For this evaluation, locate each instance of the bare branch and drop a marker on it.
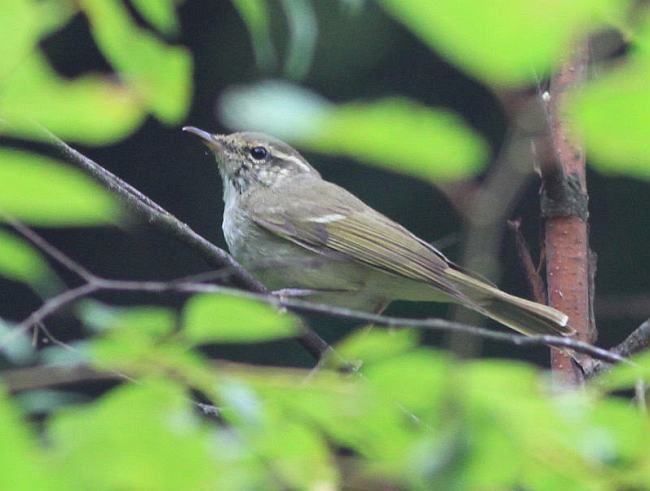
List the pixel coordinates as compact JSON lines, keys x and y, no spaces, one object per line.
{"x":164,"y":221}
{"x":304,"y":306}
{"x":636,"y":342}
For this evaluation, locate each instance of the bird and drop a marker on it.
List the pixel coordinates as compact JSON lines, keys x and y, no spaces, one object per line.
{"x":302,"y":235}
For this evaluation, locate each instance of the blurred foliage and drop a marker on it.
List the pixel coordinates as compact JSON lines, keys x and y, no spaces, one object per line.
{"x":440,"y":146}
{"x":410,"y":417}
{"x":613,"y":111}
{"x":397,"y":414}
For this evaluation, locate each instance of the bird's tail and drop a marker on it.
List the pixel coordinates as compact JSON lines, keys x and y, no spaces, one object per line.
{"x":522,"y":315}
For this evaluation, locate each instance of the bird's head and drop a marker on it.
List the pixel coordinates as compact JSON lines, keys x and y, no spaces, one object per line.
{"x":249,"y":159}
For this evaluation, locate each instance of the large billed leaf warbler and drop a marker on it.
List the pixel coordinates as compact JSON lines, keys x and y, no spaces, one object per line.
{"x":297,"y":232}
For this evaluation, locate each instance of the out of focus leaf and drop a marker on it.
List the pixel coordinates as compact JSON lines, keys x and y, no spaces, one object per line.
{"x":213,"y":318}
{"x":20,"y":261}
{"x":402,"y":136}
{"x":376,"y":344}
{"x":139,"y":436}
{"x":88,"y":109}
{"x":160,"y":74}
{"x":19,"y":25}
{"x":21,"y":463}
{"x":160,"y":13}
{"x":624,"y":375}
{"x":303,"y":31}
{"x":396,"y":134}
{"x":42,"y":191}
{"x":508,"y":42}
{"x":612,"y":114}
{"x":418,"y":380}
{"x":16,"y":347}
{"x":153,"y":321}
{"x":255,"y":14}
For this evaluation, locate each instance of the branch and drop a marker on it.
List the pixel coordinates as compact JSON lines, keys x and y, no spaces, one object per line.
{"x":638,"y":341}
{"x":340,"y":312}
{"x":158,"y":217}
{"x":564,"y":206}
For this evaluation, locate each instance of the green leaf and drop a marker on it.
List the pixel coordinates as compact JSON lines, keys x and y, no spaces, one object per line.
{"x":417,"y":380}
{"x":42,"y":191}
{"x":19,"y":25}
{"x":612,"y":114}
{"x":303,"y":32}
{"x":255,"y":13}
{"x":153,"y":321}
{"x":376,"y":344}
{"x":89,"y":109}
{"x":625,"y":375}
{"x":142,"y":436}
{"x":160,"y":13}
{"x":20,"y":261}
{"x":160,"y":74}
{"x":506,"y":42}
{"x":396,"y":134}
{"x":214,"y":318}
{"x":402,"y":136}
{"x":22,"y":465}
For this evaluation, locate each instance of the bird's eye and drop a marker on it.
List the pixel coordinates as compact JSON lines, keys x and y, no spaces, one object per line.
{"x":259,"y":153}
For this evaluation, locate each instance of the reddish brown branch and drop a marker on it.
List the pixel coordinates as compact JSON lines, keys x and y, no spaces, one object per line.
{"x":564,"y":205}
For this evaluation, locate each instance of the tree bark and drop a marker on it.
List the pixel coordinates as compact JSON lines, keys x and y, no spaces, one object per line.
{"x":564,"y":205}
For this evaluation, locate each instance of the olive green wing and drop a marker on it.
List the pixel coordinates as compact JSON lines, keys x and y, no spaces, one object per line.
{"x":341,"y":224}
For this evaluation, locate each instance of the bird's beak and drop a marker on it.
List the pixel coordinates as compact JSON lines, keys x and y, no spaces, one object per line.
{"x":212,"y":141}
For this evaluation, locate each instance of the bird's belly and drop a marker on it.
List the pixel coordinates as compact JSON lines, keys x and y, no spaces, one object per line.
{"x":280,"y":264}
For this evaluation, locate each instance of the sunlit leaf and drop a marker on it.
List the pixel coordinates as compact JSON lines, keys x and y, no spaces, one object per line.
{"x":376,"y":344}
{"x":140,"y":436}
{"x":89,"y":109}
{"x":19,"y":26}
{"x":397,"y":134}
{"x":20,"y":261}
{"x":152,"y":320}
{"x":402,"y":136}
{"x":506,"y":42}
{"x":160,"y":74}
{"x":255,"y":14}
{"x":21,"y":463}
{"x":219,"y":318}
{"x":160,"y":13}
{"x":42,"y":191}
{"x":612,"y":113}
{"x":418,"y":380}
{"x":624,"y":375}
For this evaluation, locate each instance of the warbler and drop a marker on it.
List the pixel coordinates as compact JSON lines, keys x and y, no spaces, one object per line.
{"x":301,"y":234}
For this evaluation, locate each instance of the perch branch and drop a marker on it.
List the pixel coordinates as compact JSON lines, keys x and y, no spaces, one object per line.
{"x":96,"y":283}
{"x":164,"y":221}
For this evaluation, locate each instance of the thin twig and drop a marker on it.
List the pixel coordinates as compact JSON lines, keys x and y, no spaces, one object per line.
{"x":636,"y":342}
{"x":164,"y":221}
{"x":305,"y":306}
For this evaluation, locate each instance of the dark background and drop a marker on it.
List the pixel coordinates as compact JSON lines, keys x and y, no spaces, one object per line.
{"x":360,"y":56}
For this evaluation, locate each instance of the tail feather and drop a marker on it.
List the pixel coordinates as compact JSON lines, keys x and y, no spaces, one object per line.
{"x":522,"y":315}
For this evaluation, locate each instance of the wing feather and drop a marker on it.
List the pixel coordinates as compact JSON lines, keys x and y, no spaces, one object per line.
{"x":362,"y":235}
